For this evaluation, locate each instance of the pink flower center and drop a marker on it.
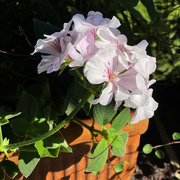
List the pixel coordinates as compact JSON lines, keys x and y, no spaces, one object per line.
{"x":88,"y":54}
{"x":112,"y":76}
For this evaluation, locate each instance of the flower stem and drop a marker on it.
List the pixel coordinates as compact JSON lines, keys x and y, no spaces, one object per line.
{"x":1,"y":138}
{"x":90,"y":128}
{"x":49,"y":133}
{"x":79,"y":74}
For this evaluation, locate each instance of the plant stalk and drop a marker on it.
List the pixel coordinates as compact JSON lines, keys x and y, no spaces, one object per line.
{"x":57,"y":128}
{"x":90,"y":128}
{"x":1,"y":138}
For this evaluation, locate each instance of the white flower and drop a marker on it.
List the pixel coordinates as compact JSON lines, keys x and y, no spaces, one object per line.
{"x":82,"y":51}
{"x":56,"y":47}
{"x":141,"y":100}
{"x":94,"y":21}
{"x":104,"y":67}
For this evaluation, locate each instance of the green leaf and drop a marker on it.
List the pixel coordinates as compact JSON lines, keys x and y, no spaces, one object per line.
{"x":38,"y":127}
{"x":147,"y":149}
{"x":50,"y":13}
{"x":51,"y":146}
{"x":176,"y":136}
{"x":3,"y":121}
{"x":119,"y":168}
{"x":95,"y":173}
{"x":124,"y":135}
{"x":12,"y":115}
{"x":27,"y":162}
{"x":1,"y":174}
{"x":87,"y":106}
{"x":42,"y":28}
{"x":28,"y":106}
{"x":104,"y":114}
{"x":116,"y":141}
{"x":136,"y":14}
{"x":19,"y":126}
{"x":150,"y":8}
{"x":121,"y":120}
{"x":128,"y":3}
{"x":120,"y":151}
{"x":99,"y":156}
{"x":162,"y":27}
{"x":10,"y":167}
{"x":126,"y":162}
{"x":159,"y":154}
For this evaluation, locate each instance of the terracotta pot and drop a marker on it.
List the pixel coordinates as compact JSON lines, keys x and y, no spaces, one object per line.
{"x":72,"y":166}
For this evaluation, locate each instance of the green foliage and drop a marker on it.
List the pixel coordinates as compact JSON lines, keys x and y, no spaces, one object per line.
{"x":51,"y":146}
{"x":120,"y":150}
{"x":147,"y":149}
{"x":41,"y":28}
{"x":98,"y":156}
{"x":176,"y":136}
{"x":28,"y":107}
{"x":19,"y":126}
{"x":27,"y":162}
{"x":104,"y":114}
{"x":38,"y":127}
{"x":121,"y":120}
{"x":119,"y":168}
{"x":159,"y":154}
{"x":4,"y":119}
{"x":10,"y":167}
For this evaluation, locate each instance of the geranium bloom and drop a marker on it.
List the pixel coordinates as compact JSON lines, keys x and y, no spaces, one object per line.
{"x":107,"y":38}
{"x":141,"y":100}
{"x":104,"y":67}
{"x":94,"y":21}
{"x":56,"y":47}
{"x":144,"y":64}
{"x":82,"y":51}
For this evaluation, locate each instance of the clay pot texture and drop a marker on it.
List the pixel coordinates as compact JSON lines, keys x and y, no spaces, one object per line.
{"x":71,"y":166}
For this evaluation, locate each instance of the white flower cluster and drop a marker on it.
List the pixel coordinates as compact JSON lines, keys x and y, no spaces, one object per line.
{"x":96,"y":43}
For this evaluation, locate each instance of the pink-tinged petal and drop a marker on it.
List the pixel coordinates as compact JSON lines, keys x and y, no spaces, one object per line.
{"x":121,"y":93}
{"x":86,"y":45}
{"x":76,"y":63}
{"x":128,"y":79}
{"x":107,"y":94}
{"x":145,"y":66}
{"x":94,"y":71}
{"x":114,"y":23}
{"x":139,"y":98}
{"x":130,"y":104}
{"x":95,"y":101}
{"x":74,"y":54}
{"x":106,"y":35}
{"x":78,"y":19}
{"x":44,"y":64}
{"x":152,"y":105}
{"x":140,"y":82}
{"x":151,"y":82}
{"x":118,"y":103}
{"x":141,"y":113}
{"x":150,"y":66}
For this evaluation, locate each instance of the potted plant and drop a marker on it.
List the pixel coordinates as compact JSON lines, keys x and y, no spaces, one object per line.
{"x":103,"y":80}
